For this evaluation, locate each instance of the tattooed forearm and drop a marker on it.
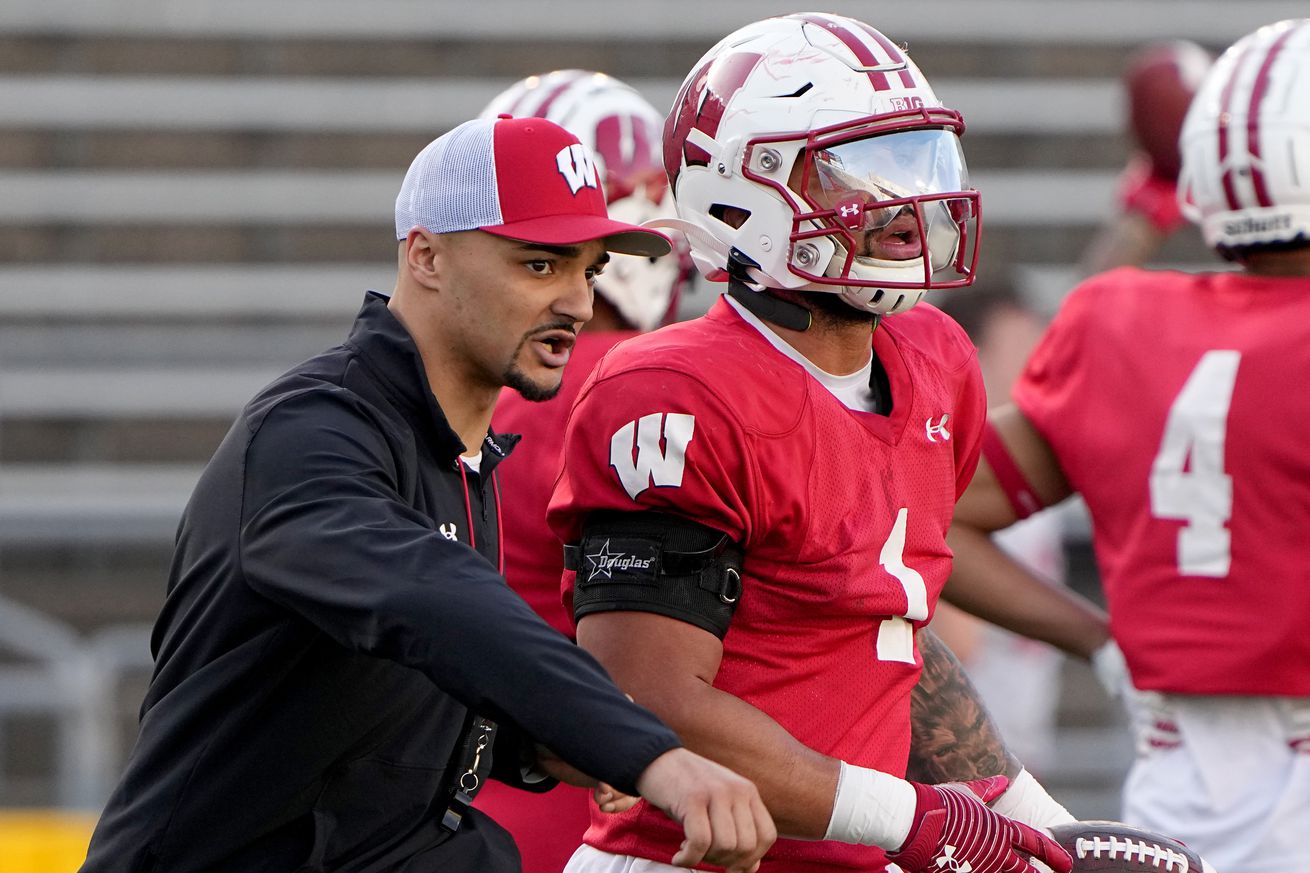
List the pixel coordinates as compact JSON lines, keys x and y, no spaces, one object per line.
{"x":952,"y":736}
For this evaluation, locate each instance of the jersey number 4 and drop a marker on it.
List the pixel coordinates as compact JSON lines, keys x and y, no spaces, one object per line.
{"x":1188,"y":482}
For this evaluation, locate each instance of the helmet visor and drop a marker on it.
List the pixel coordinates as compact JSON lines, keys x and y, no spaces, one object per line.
{"x":896,"y":198}
{"x":892,"y":166}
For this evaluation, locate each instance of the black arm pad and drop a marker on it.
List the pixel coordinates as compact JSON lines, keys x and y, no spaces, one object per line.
{"x":652,"y":562}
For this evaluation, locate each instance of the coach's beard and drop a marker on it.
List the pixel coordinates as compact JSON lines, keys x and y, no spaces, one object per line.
{"x":515,"y":378}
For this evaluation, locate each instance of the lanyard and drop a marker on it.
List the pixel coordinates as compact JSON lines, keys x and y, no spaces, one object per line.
{"x":468,"y":512}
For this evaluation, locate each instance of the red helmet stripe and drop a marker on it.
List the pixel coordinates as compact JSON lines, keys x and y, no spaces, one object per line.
{"x":519,"y":108}
{"x":1253,"y":118}
{"x":700,"y":104}
{"x":623,"y":142}
{"x":641,"y":144}
{"x":609,"y":145}
{"x":680,"y":120}
{"x":1226,"y":99}
{"x":852,"y":41}
{"x":893,"y":52}
{"x":543,"y":108}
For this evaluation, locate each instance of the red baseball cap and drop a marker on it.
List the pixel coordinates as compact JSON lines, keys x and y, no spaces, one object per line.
{"x":523,"y":178}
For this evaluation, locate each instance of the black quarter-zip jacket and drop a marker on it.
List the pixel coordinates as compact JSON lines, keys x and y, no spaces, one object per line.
{"x":324,"y":640}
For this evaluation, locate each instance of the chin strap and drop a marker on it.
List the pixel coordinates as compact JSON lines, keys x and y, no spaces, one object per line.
{"x":743,"y":272}
{"x":768,"y":308}
{"x":692,"y":231}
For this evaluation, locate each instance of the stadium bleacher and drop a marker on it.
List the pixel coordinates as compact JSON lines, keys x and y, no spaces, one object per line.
{"x":194,"y":195}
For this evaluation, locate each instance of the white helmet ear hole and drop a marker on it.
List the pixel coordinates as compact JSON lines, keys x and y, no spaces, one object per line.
{"x":733,"y":216}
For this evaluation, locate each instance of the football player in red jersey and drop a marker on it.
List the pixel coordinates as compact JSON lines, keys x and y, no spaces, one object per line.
{"x":1159,"y":82}
{"x":1169,"y":401}
{"x":633,"y":294}
{"x":756,"y":501}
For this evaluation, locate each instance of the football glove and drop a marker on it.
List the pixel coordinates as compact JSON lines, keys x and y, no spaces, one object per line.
{"x":955,"y":831}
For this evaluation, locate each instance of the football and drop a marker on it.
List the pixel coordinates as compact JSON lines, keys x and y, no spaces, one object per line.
{"x":1160,"y":80}
{"x":1114,"y":847}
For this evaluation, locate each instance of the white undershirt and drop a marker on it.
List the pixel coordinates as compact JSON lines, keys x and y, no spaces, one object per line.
{"x":852,"y":390}
{"x":473,"y":462}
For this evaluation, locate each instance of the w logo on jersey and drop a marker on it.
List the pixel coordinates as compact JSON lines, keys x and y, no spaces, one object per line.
{"x":577,"y":168}
{"x":660,"y":442}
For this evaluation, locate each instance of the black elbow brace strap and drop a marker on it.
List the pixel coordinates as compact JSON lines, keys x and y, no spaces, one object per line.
{"x":651,"y":562}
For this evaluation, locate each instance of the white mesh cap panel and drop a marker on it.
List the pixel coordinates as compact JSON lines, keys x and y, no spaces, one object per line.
{"x":451,"y":185}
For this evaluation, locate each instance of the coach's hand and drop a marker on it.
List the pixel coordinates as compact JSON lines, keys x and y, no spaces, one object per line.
{"x":722,"y":817}
{"x":954,"y":830}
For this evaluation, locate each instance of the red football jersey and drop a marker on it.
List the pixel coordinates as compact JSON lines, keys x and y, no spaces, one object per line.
{"x":534,"y":556}
{"x":1170,"y":400}
{"x":547,"y":827}
{"x":842,"y":516}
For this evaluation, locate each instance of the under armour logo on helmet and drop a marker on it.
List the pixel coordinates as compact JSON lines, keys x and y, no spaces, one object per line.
{"x":577,"y":168}
{"x":851,"y":213}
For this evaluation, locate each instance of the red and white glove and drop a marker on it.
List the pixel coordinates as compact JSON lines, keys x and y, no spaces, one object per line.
{"x":954,"y":830}
{"x":1154,"y":197}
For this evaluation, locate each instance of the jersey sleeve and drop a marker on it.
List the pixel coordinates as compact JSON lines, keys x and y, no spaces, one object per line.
{"x":971,"y":403}
{"x":1051,"y":381}
{"x":655,"y":440}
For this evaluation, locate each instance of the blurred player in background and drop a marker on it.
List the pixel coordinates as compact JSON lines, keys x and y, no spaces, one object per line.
{"x":1159,"y":82}
{"x":756,"y":501}
{"x":633,"y":294}
{"x":1019,"y":678}
{"x":1172,"y":403}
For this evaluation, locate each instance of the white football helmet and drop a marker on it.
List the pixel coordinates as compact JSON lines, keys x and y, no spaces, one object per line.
{"x":1246,"y":143}
{"x":622,"y":130}
{"x":808,"y":152}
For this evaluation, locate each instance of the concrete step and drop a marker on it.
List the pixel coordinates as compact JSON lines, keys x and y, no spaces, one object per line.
{"x":431,"y":106}
{"x":124,"y":505}
{"x":142,"y":294}
{"x":309,"y":199}
{"x":1113,"y":22}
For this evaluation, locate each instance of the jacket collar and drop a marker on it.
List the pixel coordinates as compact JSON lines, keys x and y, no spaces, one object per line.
{"x":390,"y":353}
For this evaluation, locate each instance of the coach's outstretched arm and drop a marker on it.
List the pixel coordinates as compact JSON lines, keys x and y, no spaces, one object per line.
{"x":370,"y":572}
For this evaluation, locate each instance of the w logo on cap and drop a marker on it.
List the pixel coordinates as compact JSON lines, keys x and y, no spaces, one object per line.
{"x":577,"y":168}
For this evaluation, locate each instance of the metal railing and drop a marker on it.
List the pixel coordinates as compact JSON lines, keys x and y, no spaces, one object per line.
{"x":73,"y":680}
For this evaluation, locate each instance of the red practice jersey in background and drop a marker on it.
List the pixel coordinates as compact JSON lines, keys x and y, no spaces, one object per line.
{"x":547,"y":827}
{"x":1177,"y":406}
{"x":842,"y":516}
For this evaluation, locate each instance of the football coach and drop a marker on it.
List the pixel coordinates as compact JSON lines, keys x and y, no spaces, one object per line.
{"x":338,"y":663}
